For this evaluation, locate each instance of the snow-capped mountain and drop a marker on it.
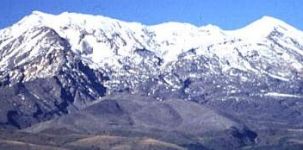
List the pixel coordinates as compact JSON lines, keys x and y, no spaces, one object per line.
{"x":101,"y":41}
{"x":53,"y":64}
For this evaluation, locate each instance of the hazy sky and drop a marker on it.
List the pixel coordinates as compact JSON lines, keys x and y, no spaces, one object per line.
{"x":228,"y":14}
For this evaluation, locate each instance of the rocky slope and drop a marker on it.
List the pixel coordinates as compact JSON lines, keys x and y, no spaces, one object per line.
{"x":166,"y":121}
{"x":137,"y":122}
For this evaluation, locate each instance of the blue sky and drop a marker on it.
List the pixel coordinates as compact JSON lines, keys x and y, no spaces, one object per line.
{"x":228,"y":14}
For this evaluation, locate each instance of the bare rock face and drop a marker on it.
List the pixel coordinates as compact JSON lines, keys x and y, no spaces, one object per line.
{"x":47,"y":85}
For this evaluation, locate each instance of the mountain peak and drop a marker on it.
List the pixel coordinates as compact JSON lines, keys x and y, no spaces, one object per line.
{"x":270,"y":19}
{"x":269,"y":22}
{"x":39,"y":13}
{"x":36,"y":17}
{"x":264,"y":26}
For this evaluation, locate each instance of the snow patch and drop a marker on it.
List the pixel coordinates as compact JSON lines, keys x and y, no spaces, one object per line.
{"x":274,"y":94}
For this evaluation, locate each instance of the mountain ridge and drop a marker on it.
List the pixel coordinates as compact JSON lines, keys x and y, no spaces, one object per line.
{"x":266,"y":18}
{"x":177,"y":37}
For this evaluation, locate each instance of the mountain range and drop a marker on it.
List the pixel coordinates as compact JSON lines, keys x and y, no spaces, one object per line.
{"x":89,"y":74}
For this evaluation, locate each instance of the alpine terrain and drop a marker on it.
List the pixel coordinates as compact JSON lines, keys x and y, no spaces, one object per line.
{"x":76,"y":81}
